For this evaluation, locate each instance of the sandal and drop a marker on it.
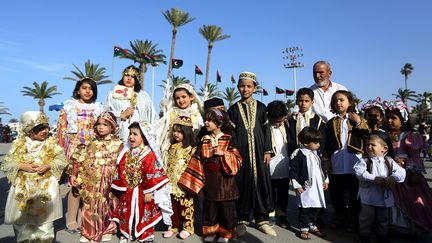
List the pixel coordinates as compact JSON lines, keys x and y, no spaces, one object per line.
{"x":168,"y":234}
{"x":304,"y":235}
{"x":317,"y":232}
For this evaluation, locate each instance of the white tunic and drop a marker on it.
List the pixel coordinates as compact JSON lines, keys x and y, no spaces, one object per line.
{"x":313,"y":196}
{"x":279,"y":164}
{"x":143,"y":111}
{"x":321,"y":105}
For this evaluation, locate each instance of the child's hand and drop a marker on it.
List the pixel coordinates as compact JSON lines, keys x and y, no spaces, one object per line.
{"x":354,"y":117}
{"x":73,"y":181}
{"x":148,"y":197}
{"x":390,"y":181}
{"x":126,"y":114}
{"x":325,"y":186}
{"x":379,"y":180}
{"x":31,"y":168}
{"x":401,"y":161}
{"x":267,"y":158}
{"x":43,"y":168}
{"x":218,"y":151}
{"x":299,"y":191}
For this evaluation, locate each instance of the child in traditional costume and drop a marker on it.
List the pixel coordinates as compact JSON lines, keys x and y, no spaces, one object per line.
{"x":129,"y":102}
{"x":141,"y":179}
{"x":75,"y":127}
{"x":252,"y":138}
{"x":413,"y":198}
{"x":183,"y":102}
{"x":310,"y":180}
{"x":377,"y":174}
{"x":211,"y":173}
{"x":180,"y":152}
{"x":92,"y":171}
{"x":34,"y":166}
{"x":277,"y":114}
{"x":345,"y":141}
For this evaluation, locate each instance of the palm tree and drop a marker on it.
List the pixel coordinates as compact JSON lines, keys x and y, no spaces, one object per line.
{"x":405,"y":95}
{"x":406,"y":71}
{"x":176,"y":18}
{"x":209,"y":92}
{"x":4,"y":110}
{"x":290,"y":104}
{"x":92,"y":71}
{"x":139,"y":49}
{"x":13,"y":120}
{"x":423,"y":111}
{"x":211,"y":33}
{"x":175,"y":80}
{"x":40,"y":92}
{"x":230,"y":95}
{"x":424,"y":98}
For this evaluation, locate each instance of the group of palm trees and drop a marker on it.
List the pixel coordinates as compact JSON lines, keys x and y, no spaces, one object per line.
{"x":141,"y":50}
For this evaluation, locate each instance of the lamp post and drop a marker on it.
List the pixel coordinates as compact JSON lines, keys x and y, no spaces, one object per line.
{"x":291,"y":54}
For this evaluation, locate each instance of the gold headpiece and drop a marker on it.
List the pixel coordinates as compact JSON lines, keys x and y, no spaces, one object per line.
{"x":109,"y":117}
{"x":131,"y":70}
{"x":31,"y":119}
{"x":248,"y":75}
{"x":183,"y":120}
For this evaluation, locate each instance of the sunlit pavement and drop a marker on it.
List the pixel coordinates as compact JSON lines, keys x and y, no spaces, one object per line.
{"x":252,"y":235}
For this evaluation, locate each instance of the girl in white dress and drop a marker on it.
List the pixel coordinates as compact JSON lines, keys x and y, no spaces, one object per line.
{"x":129,"y":103}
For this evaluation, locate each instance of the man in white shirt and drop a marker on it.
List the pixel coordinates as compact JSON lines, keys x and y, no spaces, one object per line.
{"x":323,"y":89}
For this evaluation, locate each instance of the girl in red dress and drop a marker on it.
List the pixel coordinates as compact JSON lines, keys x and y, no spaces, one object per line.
{"x":145,"y":197}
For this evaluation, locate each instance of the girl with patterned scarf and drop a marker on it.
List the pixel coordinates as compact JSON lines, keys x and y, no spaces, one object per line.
{"x":141,"y":179}
{"x":34,"y":166}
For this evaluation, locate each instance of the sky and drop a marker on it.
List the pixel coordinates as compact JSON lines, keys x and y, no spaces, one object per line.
{"x":367,"y":43}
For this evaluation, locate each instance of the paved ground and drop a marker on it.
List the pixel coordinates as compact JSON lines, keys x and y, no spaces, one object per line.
{"x":252,"y":236}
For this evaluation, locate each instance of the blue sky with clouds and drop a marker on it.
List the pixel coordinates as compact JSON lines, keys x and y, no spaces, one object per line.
{"x":367,"y":42}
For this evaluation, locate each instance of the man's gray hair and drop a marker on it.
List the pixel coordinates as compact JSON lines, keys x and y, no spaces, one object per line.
{"x":323,"y":62}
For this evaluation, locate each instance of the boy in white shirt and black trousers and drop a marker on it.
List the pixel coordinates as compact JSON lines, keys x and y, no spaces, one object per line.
{"x":377,"y":173}
{"x":309,"y":178}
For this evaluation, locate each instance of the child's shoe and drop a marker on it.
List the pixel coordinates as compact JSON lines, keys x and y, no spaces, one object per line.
{"x":267,"y":229}
{"x":123,"y":239}
{"x":83,"y":239}
{"x":241,"y":229}
{"x":222,"y":240}
{"x":209,"y":238}
{"x":184,"y":234}
{"x":168,"y":234}
{"x":106,"y":237}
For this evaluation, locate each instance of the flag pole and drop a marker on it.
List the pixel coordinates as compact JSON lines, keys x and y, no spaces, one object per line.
{"x":195,"y":79}
{"x":112,"y":70}
{"x":152,"y":89}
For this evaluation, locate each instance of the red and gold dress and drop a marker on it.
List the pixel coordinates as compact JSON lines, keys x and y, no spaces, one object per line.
{"x":94,"y":167}
{"x":140,"y":173}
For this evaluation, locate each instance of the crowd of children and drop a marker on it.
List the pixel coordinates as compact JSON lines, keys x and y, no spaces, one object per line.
{"x":128,"y":171}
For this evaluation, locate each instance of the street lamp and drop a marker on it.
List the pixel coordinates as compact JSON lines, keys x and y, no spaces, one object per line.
{"x":291,"y":54}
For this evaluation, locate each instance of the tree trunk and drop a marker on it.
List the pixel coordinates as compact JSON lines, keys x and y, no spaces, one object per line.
{"x":207,"y":69}
{"x":143,"y":70}
{"x":173,"y":40}
{"x":406,"y":78}
{"x":41,"y":103}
